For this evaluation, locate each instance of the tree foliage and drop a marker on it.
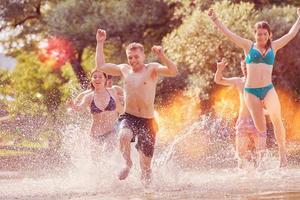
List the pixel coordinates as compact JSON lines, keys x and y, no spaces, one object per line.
{"x":127,"y":20}
{"x":196,"y":45}
{"x":264,"y":3}
{"x":36,"y":89}
{"x":29,"y":22}
{"x":23,"y":23}
{"x":4,"y":82}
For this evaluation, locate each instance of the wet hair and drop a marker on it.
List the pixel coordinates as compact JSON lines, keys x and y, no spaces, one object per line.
{"x":264,"y":25}
{"x":134,"y":46}
{"x":92,"y":72}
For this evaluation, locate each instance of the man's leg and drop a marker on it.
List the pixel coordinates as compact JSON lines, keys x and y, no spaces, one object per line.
{"x":125,"y":136}
{"x":145,"y":147}
{"x":146,"y":151}
{"x":145,"y":164}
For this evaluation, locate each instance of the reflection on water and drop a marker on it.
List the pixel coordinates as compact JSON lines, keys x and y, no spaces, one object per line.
{"x":198,"y":164}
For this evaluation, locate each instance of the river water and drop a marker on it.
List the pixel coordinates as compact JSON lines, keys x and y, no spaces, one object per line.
{"x":198,"y":163}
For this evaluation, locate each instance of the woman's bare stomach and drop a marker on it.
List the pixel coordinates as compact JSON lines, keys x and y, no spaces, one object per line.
{"x":103,"y":130}
{"x":103,"y":123}
{"x":259,"y":75}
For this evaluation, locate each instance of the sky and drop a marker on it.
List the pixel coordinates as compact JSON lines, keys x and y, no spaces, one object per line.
{"x":6,"y":62}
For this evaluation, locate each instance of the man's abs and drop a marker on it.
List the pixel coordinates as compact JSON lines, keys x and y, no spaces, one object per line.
{"x":140,"y":107}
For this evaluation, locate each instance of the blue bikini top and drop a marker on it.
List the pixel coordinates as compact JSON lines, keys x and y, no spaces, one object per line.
{"x":254,"y":56}
{"x":111,"y":106}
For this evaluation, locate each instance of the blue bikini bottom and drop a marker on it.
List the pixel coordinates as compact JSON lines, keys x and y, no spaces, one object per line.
{"x":259,"y":92}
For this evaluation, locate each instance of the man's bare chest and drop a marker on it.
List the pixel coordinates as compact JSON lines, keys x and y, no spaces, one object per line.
{"x":139,"y":80}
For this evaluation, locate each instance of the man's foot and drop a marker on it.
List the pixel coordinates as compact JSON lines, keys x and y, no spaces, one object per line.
{"x":147,"y":183}
{"x":282,"y":155}
{"x":124,"y":173}
{"x":146,"y":179}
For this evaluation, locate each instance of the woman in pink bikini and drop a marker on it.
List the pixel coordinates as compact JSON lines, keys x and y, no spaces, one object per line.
{"x":246,"y":131}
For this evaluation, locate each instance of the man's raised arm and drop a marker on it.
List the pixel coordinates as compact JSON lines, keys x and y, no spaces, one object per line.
{"x":170,"y":68}
{"x":108,"y":68}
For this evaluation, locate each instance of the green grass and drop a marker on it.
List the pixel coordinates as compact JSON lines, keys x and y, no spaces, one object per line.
{"x":8,"y":140}
{"x":4,"y":152}
{"x":32,"y":144}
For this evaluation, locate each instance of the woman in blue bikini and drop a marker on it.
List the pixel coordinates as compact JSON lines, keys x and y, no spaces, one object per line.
{"x":260,"y":58}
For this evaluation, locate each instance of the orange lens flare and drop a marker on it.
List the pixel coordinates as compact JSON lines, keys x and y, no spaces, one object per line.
{"x":226,"y":102}
{"x":291,"y":114}
{"x":173,"y":118}
{"x":56,"y":52}
{"x":174,"y":121}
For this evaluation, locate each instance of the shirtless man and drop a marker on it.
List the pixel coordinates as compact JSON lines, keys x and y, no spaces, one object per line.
{"x":140,"y":81}
{"x":245,"y":128}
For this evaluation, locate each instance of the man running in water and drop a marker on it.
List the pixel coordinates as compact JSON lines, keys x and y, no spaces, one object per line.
{"x":140,"y":82}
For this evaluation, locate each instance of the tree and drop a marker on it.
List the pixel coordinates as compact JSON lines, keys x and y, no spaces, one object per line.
{"x":36,"y":89}
{"x":23,"y":22}
{"x":196,"y":45}
{"x":264,"y":3}
{"x":4,"y":83}
{"x":77,"y":22}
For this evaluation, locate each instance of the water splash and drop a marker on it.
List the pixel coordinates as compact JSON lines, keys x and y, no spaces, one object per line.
{"x":206,"y":171}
